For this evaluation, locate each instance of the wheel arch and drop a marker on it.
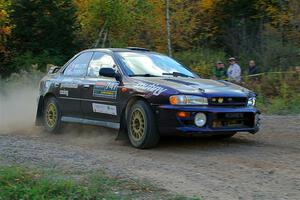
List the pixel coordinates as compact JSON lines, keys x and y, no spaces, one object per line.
{"x":124,"y":113}
{"x":150,"y":136}
{"x":40,"y":108}
{"x":131,"y":101}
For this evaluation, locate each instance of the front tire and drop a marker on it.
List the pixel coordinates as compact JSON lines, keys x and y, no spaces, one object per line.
{"x":142,"y":130}
{"x":52,"y":116}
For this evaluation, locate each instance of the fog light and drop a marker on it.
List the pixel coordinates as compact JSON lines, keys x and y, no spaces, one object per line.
{"x":200,"y":119}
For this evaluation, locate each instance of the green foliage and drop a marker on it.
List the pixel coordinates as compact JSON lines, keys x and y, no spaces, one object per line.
{"x":40,"y":32}
{"x":41,"y":25}
{"x":28,"y":60}
{"x":21,"y":183}
{"x":263,"y":30}
{"x":16,"y":183}
{"x":5,"y":31}
{"x":276,"y":53}
{"x":118,"y":23}
{"x":201,"y":60}
{"x":277,"y":93}
{"x":283,"y":106}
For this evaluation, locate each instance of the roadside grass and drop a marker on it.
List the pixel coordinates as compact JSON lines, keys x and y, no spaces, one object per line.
{"x":27,"y":184}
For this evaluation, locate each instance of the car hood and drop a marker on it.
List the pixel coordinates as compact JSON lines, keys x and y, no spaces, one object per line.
{"x":206,"y":87}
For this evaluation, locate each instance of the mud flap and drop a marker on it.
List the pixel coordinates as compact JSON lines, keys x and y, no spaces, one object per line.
{"x":39,"y":112}
{"x":122,"y":133}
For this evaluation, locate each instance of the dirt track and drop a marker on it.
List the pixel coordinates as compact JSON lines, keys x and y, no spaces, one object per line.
{"x":262,"y":166}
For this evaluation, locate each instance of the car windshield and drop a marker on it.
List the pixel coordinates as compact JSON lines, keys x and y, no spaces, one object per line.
{"x":152,"y":64}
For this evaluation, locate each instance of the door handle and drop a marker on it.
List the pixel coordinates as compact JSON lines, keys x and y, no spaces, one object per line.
{"x":86,"y":86}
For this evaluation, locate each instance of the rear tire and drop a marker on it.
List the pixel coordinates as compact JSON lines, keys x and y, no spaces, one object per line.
{"x":52,"y":116}
{"x":142,"y":130}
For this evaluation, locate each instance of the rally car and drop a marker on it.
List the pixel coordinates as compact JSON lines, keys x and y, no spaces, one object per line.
{"x":144,"y":95}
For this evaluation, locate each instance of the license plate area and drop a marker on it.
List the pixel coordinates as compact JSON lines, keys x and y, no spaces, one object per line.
{"x":234,"y":115}
{"x":232,"y":120}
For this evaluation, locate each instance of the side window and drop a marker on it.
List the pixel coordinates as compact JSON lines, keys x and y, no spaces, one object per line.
{"x":78,"y":66}
{"x":99,"y":61}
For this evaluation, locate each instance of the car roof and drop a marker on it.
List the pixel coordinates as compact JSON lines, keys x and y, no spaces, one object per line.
{"x":129,"y":49}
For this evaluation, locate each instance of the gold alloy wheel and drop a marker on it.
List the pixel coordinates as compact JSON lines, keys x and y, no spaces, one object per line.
{"x":137,"y":124}
{"x":51,"y":115}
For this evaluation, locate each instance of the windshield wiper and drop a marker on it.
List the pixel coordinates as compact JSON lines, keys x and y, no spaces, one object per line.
{"x":144,"y":75}
{"x":178,"y":74}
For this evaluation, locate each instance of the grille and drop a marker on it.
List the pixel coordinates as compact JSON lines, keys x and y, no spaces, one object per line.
{"x":228,"y":101}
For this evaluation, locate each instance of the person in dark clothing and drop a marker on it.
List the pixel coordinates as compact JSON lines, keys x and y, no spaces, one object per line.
{"x":252,"y":69}
{"x":219,"y":71}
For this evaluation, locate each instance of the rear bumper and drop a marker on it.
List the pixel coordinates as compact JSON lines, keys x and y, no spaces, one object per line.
{"x":247,"y":119}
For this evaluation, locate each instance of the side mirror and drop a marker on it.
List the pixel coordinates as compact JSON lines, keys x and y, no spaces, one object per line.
{"x":107,"y":72}
{"x":53,"y":69}
{"x":110,"y":72}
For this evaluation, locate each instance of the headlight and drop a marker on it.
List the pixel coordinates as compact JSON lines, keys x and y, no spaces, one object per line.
{"x":187,"y":100}
{"x":251,"y":101}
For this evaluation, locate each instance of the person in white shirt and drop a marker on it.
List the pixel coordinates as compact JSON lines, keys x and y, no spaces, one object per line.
{"x":234,"y":71}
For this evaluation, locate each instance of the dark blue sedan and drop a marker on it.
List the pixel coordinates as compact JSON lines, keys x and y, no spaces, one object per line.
{"x":144,"y":95}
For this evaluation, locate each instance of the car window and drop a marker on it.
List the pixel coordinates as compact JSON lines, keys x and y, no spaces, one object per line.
{"x":79,"y":65}
{"x":100,"y":60}
{"x":139,"y":63}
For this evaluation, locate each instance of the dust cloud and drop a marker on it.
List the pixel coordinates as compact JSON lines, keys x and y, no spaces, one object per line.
{"x":18,"y":106}
{"x":18,"y":100}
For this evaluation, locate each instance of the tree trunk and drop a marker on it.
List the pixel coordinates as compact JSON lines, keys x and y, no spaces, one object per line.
{"x":100,"y":35}
{"x":104,"y":39}
{"x":168,"y":27}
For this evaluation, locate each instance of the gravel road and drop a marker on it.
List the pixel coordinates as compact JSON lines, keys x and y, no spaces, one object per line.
{"x":261,"y":166}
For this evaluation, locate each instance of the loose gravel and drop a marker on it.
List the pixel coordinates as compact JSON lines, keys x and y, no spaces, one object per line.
{"x":261,"y":166}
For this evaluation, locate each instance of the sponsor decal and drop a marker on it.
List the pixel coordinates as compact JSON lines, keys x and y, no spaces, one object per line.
{"x":105,"y":109}
{"x":154,"y":88}
{"x":101,"y":83}
{"x":64,"y":92}
{"x":69,"y":85}
{"x":106,"y":90}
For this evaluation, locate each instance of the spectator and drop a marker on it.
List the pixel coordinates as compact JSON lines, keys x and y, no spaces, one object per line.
{"x":234,"y":71}
{"x":219,"y":71}
{"x":252,"y":69}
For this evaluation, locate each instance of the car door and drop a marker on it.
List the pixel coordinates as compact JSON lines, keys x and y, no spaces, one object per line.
{"x":100,"y":94}
{"x":71,"y":84}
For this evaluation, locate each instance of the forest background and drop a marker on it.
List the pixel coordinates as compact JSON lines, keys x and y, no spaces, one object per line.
{"x":36,"y":33}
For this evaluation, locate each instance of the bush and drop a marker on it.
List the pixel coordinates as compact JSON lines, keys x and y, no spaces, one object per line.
{"x":278,"y":93}
{"x":27,"y":60}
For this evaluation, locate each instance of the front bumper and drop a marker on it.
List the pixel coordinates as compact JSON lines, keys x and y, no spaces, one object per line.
{"x":218,"y":122}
